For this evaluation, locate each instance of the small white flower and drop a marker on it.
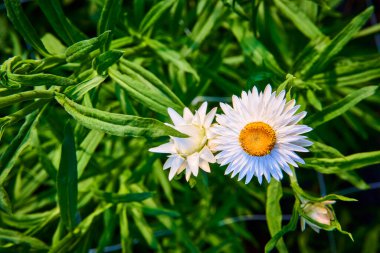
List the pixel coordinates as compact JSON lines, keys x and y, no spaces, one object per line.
{"x":193,"y":152}
{"x":317,"y":211}
{"x":259,"y":135}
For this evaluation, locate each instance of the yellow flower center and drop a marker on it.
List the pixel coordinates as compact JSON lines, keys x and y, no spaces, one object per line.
{"x":257,"y":139}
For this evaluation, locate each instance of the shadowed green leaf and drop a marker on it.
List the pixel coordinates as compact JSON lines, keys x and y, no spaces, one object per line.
{"x":109,"y":16}
{"x":291,"y":226}
{"x":111,"y":197}
{"x":19,"y":238}
{"x":154,"y":14}
{"x":105,"y":60}
{"x":67,"y":180}
{"x":68,"y":32}
{"x":5,"y":203}
{"x":23,"y":25}
{"x":332,"y":111}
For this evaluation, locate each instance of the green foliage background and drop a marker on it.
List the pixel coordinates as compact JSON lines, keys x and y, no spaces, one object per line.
{"x":84,"y":89}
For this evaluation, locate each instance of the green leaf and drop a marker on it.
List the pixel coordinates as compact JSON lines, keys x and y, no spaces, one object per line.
{"x":24,"y":96}
{"x":105,"y":60}
{"x":154,"y":14}
{"x":255,"y":50}
{"x":78,"y":91}
{"x":68,"y":32}
{"x":114,"y":123}
{"x":299,"y":18}
{"x":109,"y":218}
{"x":291,"y":226}
{"x":209,"y":19}
{"x":347,"y":163}
{"x":329,"y":50}
{"x":115,"y":198}
{"x":143,"y":91}
{"x":18,"y":144}
{"x":273,"y":212}
{"x":67,"y":180}
{"x":110,"y":15}
{"x":23,"y":25}
{"x":171,"y":56}
{"x":80,"y":50}
{"x":154,"y":80}
{"x":87,"y":148}
{"x":125,"y":238}
{"x":160,"y":211}
{"x":5,"y":203}
{"x":11,"y":80}
{"x":19,"y":238}
{"x":313,"y":100}
{"x":332,"y":111}
{"x":53,"y":45}
{"x":144,"y":228}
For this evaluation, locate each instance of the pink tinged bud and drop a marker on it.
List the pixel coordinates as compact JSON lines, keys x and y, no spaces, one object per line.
{"x":319,"y":212}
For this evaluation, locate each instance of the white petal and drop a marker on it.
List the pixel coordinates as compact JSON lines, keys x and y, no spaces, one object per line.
{"x":204,"y":166}
{"x":164,"y":148}
{"x":209,"y":118}
{"x":206,"y":154}
{"x":176,"y":118}
{"x":193,"y":163}
{"x":177,"y":162}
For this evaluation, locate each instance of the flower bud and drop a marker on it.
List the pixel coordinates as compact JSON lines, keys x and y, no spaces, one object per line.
{"x":319,"y":212}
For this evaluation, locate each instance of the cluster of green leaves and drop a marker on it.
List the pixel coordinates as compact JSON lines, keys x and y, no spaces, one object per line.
{"x":79,"y":112}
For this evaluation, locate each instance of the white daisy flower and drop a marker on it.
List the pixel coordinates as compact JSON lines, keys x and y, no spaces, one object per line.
{"x":193,"y":152}
{"x":258,"y":135}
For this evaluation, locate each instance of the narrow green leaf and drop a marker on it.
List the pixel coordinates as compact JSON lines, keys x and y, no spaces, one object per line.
{"x":273,"y":212}
{"x":154,"y":14}
{"x":209,"y":19}
{"x":291,"y":226}
{"x":24,"y":96}
{"x":78,"y":91}
{"x":68,"y":32}
{"x":114,"y":123}
{"x":313,"y":100}
{"x":87,"y":149}
{"x":160,"y":211}
{"x":145,"y":92}
{"x":144,"y":228}
{"x":19,"y":143}
{"x":110,"y":15}
{"x":332,"y":48}
{"x":154,"y":80}
{"x":19,"y":238}
{"x":299,"y":18}
{"x":106,"y":238}
{"x":23,"y":25}
{"x":115,"y":198}
{"x":255,"y":50}
{"x":347,"y":163}
{"x":126,"y":240}
{"x":171,"y":56}
{"x":67,"y":180}
{"x":5,"y":203}
{"x":332,"y":111}
{"x":47,"y":164}
{"x":80,"y":50}
{"x":105,"y":60}
{"x":11,"y":80}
